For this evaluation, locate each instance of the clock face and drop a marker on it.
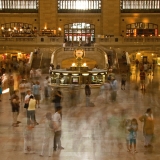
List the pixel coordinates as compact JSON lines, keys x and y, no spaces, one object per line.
{"x":79,"y":53}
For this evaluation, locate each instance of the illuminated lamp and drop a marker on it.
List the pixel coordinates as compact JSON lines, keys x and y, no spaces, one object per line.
{"x":84,"y":64}
{"x":73,"y":65}
{"x":65,"y":74}
{"x":75,"y":74}
{"x":85,"y":74}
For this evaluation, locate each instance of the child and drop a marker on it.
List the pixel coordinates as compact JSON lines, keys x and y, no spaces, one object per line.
{"x":28,"y":139}
{"x":49,"y":134}
{"x":133,"y":133}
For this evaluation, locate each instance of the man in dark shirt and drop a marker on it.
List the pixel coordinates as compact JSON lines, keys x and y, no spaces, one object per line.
{"x":15,"y":108}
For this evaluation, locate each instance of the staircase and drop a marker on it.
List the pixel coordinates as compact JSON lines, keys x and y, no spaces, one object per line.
{"x":36,"y":62}
{"x":123,"y":67}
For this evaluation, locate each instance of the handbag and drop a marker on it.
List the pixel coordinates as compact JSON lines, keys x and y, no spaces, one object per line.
{"x":26,"y":105}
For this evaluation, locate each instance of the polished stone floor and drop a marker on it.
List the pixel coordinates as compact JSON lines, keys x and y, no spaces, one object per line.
{"x":89,"y":133}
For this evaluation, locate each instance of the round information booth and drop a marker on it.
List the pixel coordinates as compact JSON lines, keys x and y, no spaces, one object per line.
{"x":78,"y":73}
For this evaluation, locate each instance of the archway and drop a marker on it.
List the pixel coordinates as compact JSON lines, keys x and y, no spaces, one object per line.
{"x":76,"y":32}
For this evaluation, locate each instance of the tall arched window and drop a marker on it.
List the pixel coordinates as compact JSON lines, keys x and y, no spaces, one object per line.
{"x":79,"y":31}
{"x":73,"y":6}
{"x":141,"y":29}
{"x":140,"y":6}
{"x":15,"y":6}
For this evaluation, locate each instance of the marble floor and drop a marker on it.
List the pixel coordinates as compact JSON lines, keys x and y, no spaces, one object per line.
{"x":89,"y":133}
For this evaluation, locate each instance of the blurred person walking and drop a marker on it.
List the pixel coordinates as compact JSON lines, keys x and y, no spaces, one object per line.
{"x":11,"y":85}
{"x":57,"y":98}
{"x":36,"y":88}
{"x":57,"y":121}
{"x":48,"y":135}
{"x":148,"y":127}
{"x":142,"y":79}
{"x":87,"y":93}
{"x":114,"y":87}
{"x":15,"y":108}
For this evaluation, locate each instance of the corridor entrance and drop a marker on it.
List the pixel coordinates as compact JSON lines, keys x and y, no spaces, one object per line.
{"x":76,"y":32}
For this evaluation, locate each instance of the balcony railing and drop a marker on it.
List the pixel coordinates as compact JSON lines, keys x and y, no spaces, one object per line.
{"x":60,"y":40}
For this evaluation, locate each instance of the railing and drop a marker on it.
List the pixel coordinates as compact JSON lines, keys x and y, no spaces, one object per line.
{"x":73,"y":48}
{"x":108,"y":40}
{"x":15,"y":39}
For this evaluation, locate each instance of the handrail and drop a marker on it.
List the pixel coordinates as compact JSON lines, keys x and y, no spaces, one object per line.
{"x":30,"y":59}
{"x":54,"y":52}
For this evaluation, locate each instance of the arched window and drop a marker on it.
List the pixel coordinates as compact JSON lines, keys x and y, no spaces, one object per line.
{"x":142,"y":29}
{"x":76,"y":6}
{"x":140,"y":6}
{"x":17,"y":29}
{"x":79,"y":32}
{"x":16,"y":6}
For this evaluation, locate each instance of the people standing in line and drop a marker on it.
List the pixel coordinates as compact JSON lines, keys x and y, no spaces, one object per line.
{"x":148,"y":127}
{"x":114,"y":87}
{"x":15,"y":108}
{"x":142,"y":79}
{"x":87,"y":93}
{"x":48,"y":135}
{"x":31,"y":118}
{"x":28,"y":139}
{"x":57,"y":98}
{"x":57,"y":122}
{"x":133,"y":134}
{"x":36,"y":88}
{"x":11,"y":85}
{"x":123,"y":81}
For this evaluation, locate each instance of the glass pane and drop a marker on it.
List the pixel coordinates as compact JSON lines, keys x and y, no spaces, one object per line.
{"x":79,"y":5}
